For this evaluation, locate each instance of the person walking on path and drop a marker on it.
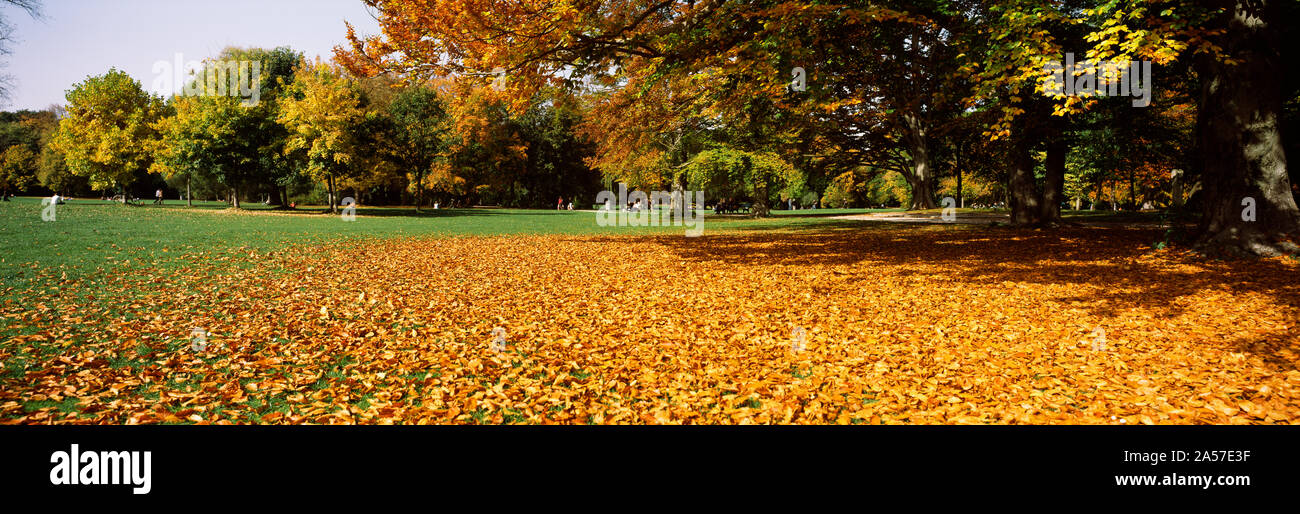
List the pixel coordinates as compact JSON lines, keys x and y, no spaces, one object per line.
{"x":158,"y":199}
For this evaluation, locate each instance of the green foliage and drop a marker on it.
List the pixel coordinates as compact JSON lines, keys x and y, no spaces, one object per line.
{"x":420,"y":129}
{"x":556,"y":156}
{"x":221,"y":140}
{"x":724,"y":173}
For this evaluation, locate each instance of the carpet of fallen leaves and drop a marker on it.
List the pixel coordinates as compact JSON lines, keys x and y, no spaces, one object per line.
{"x":904,"y":325}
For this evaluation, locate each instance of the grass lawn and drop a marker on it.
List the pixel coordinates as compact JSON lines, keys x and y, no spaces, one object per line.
{"x":388,"y":319}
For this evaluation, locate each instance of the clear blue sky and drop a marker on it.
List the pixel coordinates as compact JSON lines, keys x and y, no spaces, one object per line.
{"x":78,"y":38}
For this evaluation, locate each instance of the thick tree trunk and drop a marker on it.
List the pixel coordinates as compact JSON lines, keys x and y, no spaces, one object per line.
{"x":914,"y":133}
{"x":1025,"y":208}
{"x":1054,"y":181}
{"x":1241,"y":145}
{"x":234,"y":197}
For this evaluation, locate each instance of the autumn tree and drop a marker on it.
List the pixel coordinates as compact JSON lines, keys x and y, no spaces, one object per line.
{"x":17,"y":169}
{"x":628,"y":48}
{"x":320,"y":110}
{"x":51,"y":169}
{"x":108,"y":132}
{"x":21,"y":136}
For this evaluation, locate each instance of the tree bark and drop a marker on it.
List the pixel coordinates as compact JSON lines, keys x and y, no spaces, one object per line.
{"x":1054,"y":181}
{"x":956,"y":160}
{"x":1025,"y":208}
{"x":759,"y":208}
{"x":914,"y":133}
{"x":1240,"y":140}
{"x":333,"y":203}
{"x":189,"y":198}
{"x":419,"y":191}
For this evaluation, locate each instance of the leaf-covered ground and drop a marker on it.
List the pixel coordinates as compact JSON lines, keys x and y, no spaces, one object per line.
{"x":905,"y":324}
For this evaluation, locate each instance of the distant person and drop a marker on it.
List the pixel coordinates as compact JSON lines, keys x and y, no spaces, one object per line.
{"x":157,"y":195}
{"x":435,"y":206}
{"x":570,"y":205}
{"x":559,"y":204}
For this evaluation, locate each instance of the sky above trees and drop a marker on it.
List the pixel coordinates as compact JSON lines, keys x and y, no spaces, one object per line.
{"x":75,"y":38}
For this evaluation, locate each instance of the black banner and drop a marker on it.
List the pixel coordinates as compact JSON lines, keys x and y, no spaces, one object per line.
{"x":935,"y":465}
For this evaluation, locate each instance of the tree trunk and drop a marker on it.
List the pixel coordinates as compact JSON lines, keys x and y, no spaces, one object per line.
{"x":759,"y":208}
{"x":1054,"y":182}
{"x":1024,"y":203}
{"x":234,"y":197}
{"x":189,"y":198}
{"x":919,"y":179}
{"x":961,"y":199}
{"x":1176,"y":192}
{"x":333,"y":203}
{"x":1241,"y":145}
{"x":1132,"y":191}
{"x":419,"y":192}
{"x":273,"y":198}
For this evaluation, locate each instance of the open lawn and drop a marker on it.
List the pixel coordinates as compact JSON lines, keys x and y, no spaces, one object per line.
{"x":389,"y":318}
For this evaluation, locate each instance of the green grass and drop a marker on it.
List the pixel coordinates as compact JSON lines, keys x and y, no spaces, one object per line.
{"x":89,"y":237}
